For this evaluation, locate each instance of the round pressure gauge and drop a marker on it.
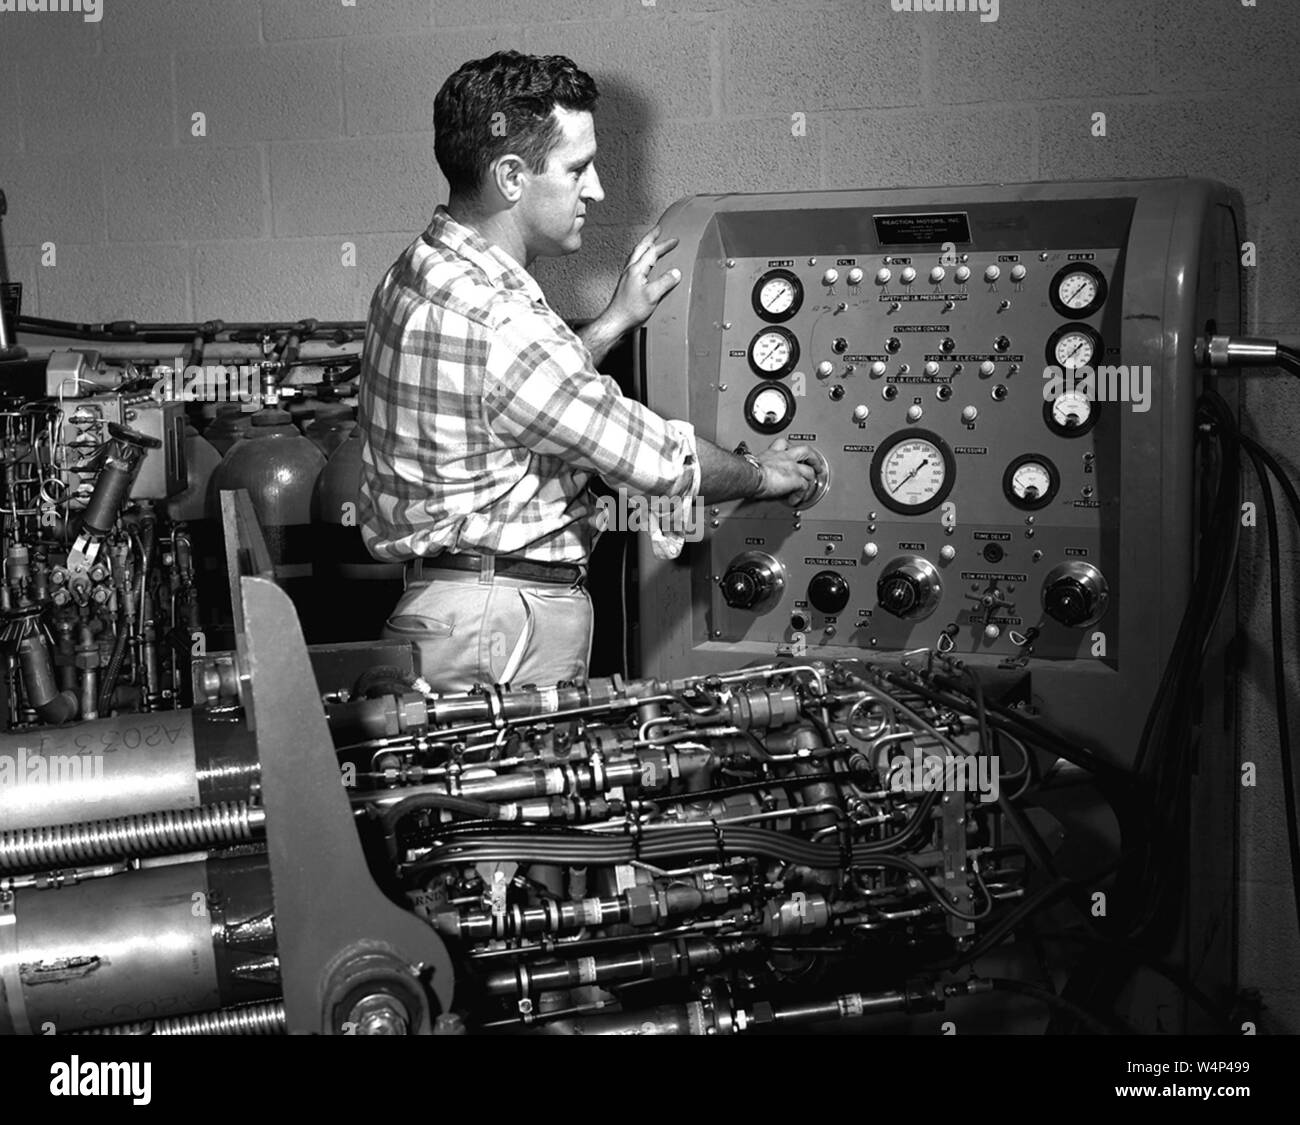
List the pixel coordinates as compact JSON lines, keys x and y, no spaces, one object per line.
{"x":1031,"y":482}
{"x":1073,"y":346}
{"x":773,"y":353}
{"x":769,"y":408}
{"x":913,"y":471}
{"x":777,"y":296}
{"x":1078,"y":290}
{"x":1070,"y":413}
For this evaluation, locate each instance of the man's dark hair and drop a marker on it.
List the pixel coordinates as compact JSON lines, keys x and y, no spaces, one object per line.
{"x":501,"y":104}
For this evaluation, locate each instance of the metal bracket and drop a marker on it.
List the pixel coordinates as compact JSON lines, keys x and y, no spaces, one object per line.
{"x":351,"y":960}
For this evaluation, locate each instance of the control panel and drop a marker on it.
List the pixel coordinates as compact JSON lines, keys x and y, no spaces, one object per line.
{"x":995,"y":387}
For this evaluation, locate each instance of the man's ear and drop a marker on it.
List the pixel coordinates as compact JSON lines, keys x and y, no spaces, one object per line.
{"x":506,"y":173}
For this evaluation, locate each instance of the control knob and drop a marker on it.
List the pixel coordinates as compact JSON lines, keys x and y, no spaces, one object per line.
{"x":751,"y":579}
{"x":1075,"y":594}
{"x":909,"y":588}
{"x":828,"y":592}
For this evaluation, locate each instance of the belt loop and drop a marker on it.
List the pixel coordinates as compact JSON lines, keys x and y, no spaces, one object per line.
{"x":487,"y":565}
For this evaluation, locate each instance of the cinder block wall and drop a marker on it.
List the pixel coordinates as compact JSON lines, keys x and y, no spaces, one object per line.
{"x":319,"y":134}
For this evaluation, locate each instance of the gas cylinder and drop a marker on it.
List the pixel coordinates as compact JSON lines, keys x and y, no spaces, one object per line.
{"x":201,"y":461}
{"x":278,"y":467}
{"x":230,"y":425}
{"x":331,"y":426}
{"x":302,"y":411}
{"x":361,"y":589}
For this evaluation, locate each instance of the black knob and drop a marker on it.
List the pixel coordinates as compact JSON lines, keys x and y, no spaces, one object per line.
{"x":893,"y":344}
{"x":837,"y":391}
{"x":897,"y":593}
{"x":828,"y":592}
{"x":741,"y":588}
{"x":1068,"y":601}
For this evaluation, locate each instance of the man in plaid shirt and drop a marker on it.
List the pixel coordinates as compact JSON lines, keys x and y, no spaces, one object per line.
{"x":482,"y":415}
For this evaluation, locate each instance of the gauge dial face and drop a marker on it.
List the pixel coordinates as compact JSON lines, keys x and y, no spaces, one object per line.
{"x":1078,"y":290}
{"x":1070,"y":413}
{"x":1074,"y":349}
{"x":1073,"y":346}
{"x":773,"y":353}
{"x":1031,"y":481}
{"x":913,"y":471}
{"x":769,"y":408}
{"x":777,"y":296}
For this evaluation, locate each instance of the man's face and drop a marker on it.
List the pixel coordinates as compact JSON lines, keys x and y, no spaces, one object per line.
{"x":553,"y":207}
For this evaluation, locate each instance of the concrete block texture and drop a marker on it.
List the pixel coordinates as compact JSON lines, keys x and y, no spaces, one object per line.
{"x":929,"y":146}
{"x":60,"y":199}
{"x":318,"y":168}
{"x":97,"y":282}
{"x":185,"y":194}
{"x":287,"y":278}
{"x":1271,"y":951}
{"x":288,"y":91}
{"x":389,"y":84}
{"x":356,"y":186}
{"x":823,"y":58}
{"x":170,"y":26}
{"x":1202,"y":44}
{"x":292,"y":19}
{"x":486,"y":13}
{"x":93,"y":104}
{"x":661,"y":72}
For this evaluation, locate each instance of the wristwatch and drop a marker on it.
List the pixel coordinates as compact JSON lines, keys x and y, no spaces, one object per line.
{"x":762,"y":476}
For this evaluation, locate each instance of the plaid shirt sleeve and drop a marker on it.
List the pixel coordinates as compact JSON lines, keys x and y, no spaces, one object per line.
{"x":540,"y":391}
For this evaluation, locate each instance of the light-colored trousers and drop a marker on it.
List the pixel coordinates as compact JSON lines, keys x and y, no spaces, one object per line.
{"x":473,"y":629}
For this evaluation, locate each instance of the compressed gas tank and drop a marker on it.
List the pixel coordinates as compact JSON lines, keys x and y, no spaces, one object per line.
{"x":278,"y":467}
{"x":331,"y":426}
{"x":201,"y":461}
{"x":230,"y":424}
{"x":360,"y":589}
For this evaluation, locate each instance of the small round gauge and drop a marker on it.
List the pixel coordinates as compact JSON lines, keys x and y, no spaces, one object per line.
{"x":1073,"y":346}
{"x":769,"y":408}
{"x":1078,"y":290}
{"x":1031,"y":482}
{"x":773,"y":353}
{"x":913,"y":471}
{"x":1070,"y":413}
{"x":778,"y":294}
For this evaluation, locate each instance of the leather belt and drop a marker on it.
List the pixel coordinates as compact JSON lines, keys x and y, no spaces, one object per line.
{"x":508,"y":566}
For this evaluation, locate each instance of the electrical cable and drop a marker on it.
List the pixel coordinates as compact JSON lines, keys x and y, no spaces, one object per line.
{"x":1279,"y":677}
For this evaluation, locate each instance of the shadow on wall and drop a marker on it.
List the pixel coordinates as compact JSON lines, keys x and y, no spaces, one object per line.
{"x":580,"y":285}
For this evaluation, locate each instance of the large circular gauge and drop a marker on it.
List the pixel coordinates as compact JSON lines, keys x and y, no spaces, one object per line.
{"x":913,"y":471}
{"x":1072,"y":346}
{"x":1078,"y":290}
{"x":1031,"y":482}
{"x":777,"y":296}
{"x":773,"y":353}
{"x":769,"y":408}
{"x":1070,"y":413}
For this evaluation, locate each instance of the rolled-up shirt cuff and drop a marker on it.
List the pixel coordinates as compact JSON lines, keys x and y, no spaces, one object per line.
{"x":684,"y":432}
